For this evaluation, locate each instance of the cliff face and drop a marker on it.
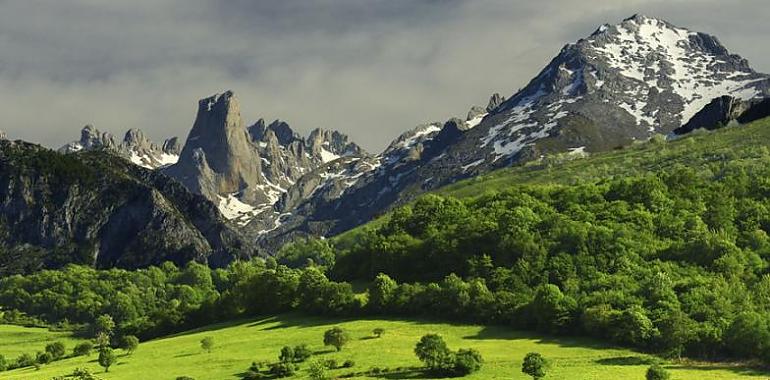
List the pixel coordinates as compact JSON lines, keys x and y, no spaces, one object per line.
{"x":98,"y":209}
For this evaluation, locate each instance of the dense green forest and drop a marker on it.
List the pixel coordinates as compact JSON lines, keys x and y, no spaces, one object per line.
{"x":673,"y":261}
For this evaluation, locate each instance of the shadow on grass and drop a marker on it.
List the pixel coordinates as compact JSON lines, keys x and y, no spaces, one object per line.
{"x":627,"y":360}
{"x":404,"y":373}
{"x":184,"y":355}
{"x":737,"y":368}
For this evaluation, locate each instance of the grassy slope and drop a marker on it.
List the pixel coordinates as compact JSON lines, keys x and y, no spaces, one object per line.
{"x":237,"y":344}
{"x":16,"y":340}
{"x":696,"y":150}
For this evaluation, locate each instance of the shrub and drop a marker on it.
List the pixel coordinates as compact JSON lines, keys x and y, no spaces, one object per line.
{"x":378,"y":332}
{"x":207,"y":343}
{"x":657,"y":372}
{"x":282,"y":369}
{"x":302,"y":353}
{"x":44,"y":357}
{"x":330,"y":363}
{"x":3,"y":363}
{"x":287,"y":355}
{"x":317,"y":370}
{"x":83,"y":349}
{"x":184,"y":378}
{"x":467,"y":361}
{"x":129,"y":343}
{"x":348,"y":364}
{"x":56,"y":349}
{"x":25,"y":360}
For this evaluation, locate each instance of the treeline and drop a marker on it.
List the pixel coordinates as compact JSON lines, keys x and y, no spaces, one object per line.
{"x":674,"y":263}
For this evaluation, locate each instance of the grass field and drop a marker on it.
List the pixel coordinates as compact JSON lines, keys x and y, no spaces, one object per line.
{"x":237,"y":344}
{"x":16,"y":340}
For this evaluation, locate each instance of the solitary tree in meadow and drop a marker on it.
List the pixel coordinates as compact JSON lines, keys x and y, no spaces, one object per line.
{"x":534,"y":365}
{"x":107,"y":358}
{"x":378,"y":332}
{"x":56,"y":349}
{"x":207,"y":343}
{"x":336,"y":337}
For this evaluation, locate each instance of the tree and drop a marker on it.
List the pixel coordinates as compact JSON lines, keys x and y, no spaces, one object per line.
{"x":104,"y":324}
{"x":207,"y":343}
{"x":656,"y":372}
{"x":287,"y":355}
{"x":107,"y":358}
{"x":336,"y":337}
{"x":83,"y":349}
{"x":56,"y":349}
{"x":129,"y":343}
{"x":381,"y":292}
{"x":534,"y":365}
{"x":467,"y":361}
{"x":433,"y":351}
{"x":317,"y":370}
{"x":378,"y":332}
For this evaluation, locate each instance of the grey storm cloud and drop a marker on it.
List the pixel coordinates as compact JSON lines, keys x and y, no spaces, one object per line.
{"x":371,"y":69}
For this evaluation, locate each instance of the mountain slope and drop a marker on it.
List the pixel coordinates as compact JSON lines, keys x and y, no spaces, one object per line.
{"x":706,"y":152}
{"x":623,"y":83}
{"x":98,"y":209}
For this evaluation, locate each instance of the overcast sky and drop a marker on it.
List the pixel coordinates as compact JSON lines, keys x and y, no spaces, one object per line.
{"x":371,"y":69}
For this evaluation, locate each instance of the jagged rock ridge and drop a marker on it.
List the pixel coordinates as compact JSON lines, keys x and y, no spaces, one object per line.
{"x":135,"y":147}
{"x":246,"y":170}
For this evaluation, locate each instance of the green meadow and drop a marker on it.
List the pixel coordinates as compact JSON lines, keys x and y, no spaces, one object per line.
{"x":237,"y":344}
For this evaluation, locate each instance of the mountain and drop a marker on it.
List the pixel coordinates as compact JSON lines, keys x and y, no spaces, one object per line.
{"x":135,"y":147}
{"x":95,"y":208}
{"x":246,"y":170}
{"x":623,"y":83}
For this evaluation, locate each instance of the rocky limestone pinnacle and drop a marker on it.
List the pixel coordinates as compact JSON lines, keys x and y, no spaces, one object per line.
{"x":218,"y":137}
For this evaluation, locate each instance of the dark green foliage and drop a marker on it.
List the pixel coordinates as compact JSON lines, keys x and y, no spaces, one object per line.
{"x":184,"y":378}
{"x":467,"y":361}
{"x":282,"y":369}
{"x":302,"y":353}
{"x":378,"y":332}
{"x":106,"y":358}
{"x":83,"y":349}
{"x":534,"y":365}
{"x":3,"y":363}
{"x":656,"y":372}
{"x":24,"y":360}
{"x":433,"y":351}
{"x":307,"y":252}
{"x":129,"y":343}
{"x":287,"y":355}
{"x":44,"y":358}
{"x":336,"y":337}
{"x":56,"y":349}
{"x":207,"y":343}
{"x":348,"y":364}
